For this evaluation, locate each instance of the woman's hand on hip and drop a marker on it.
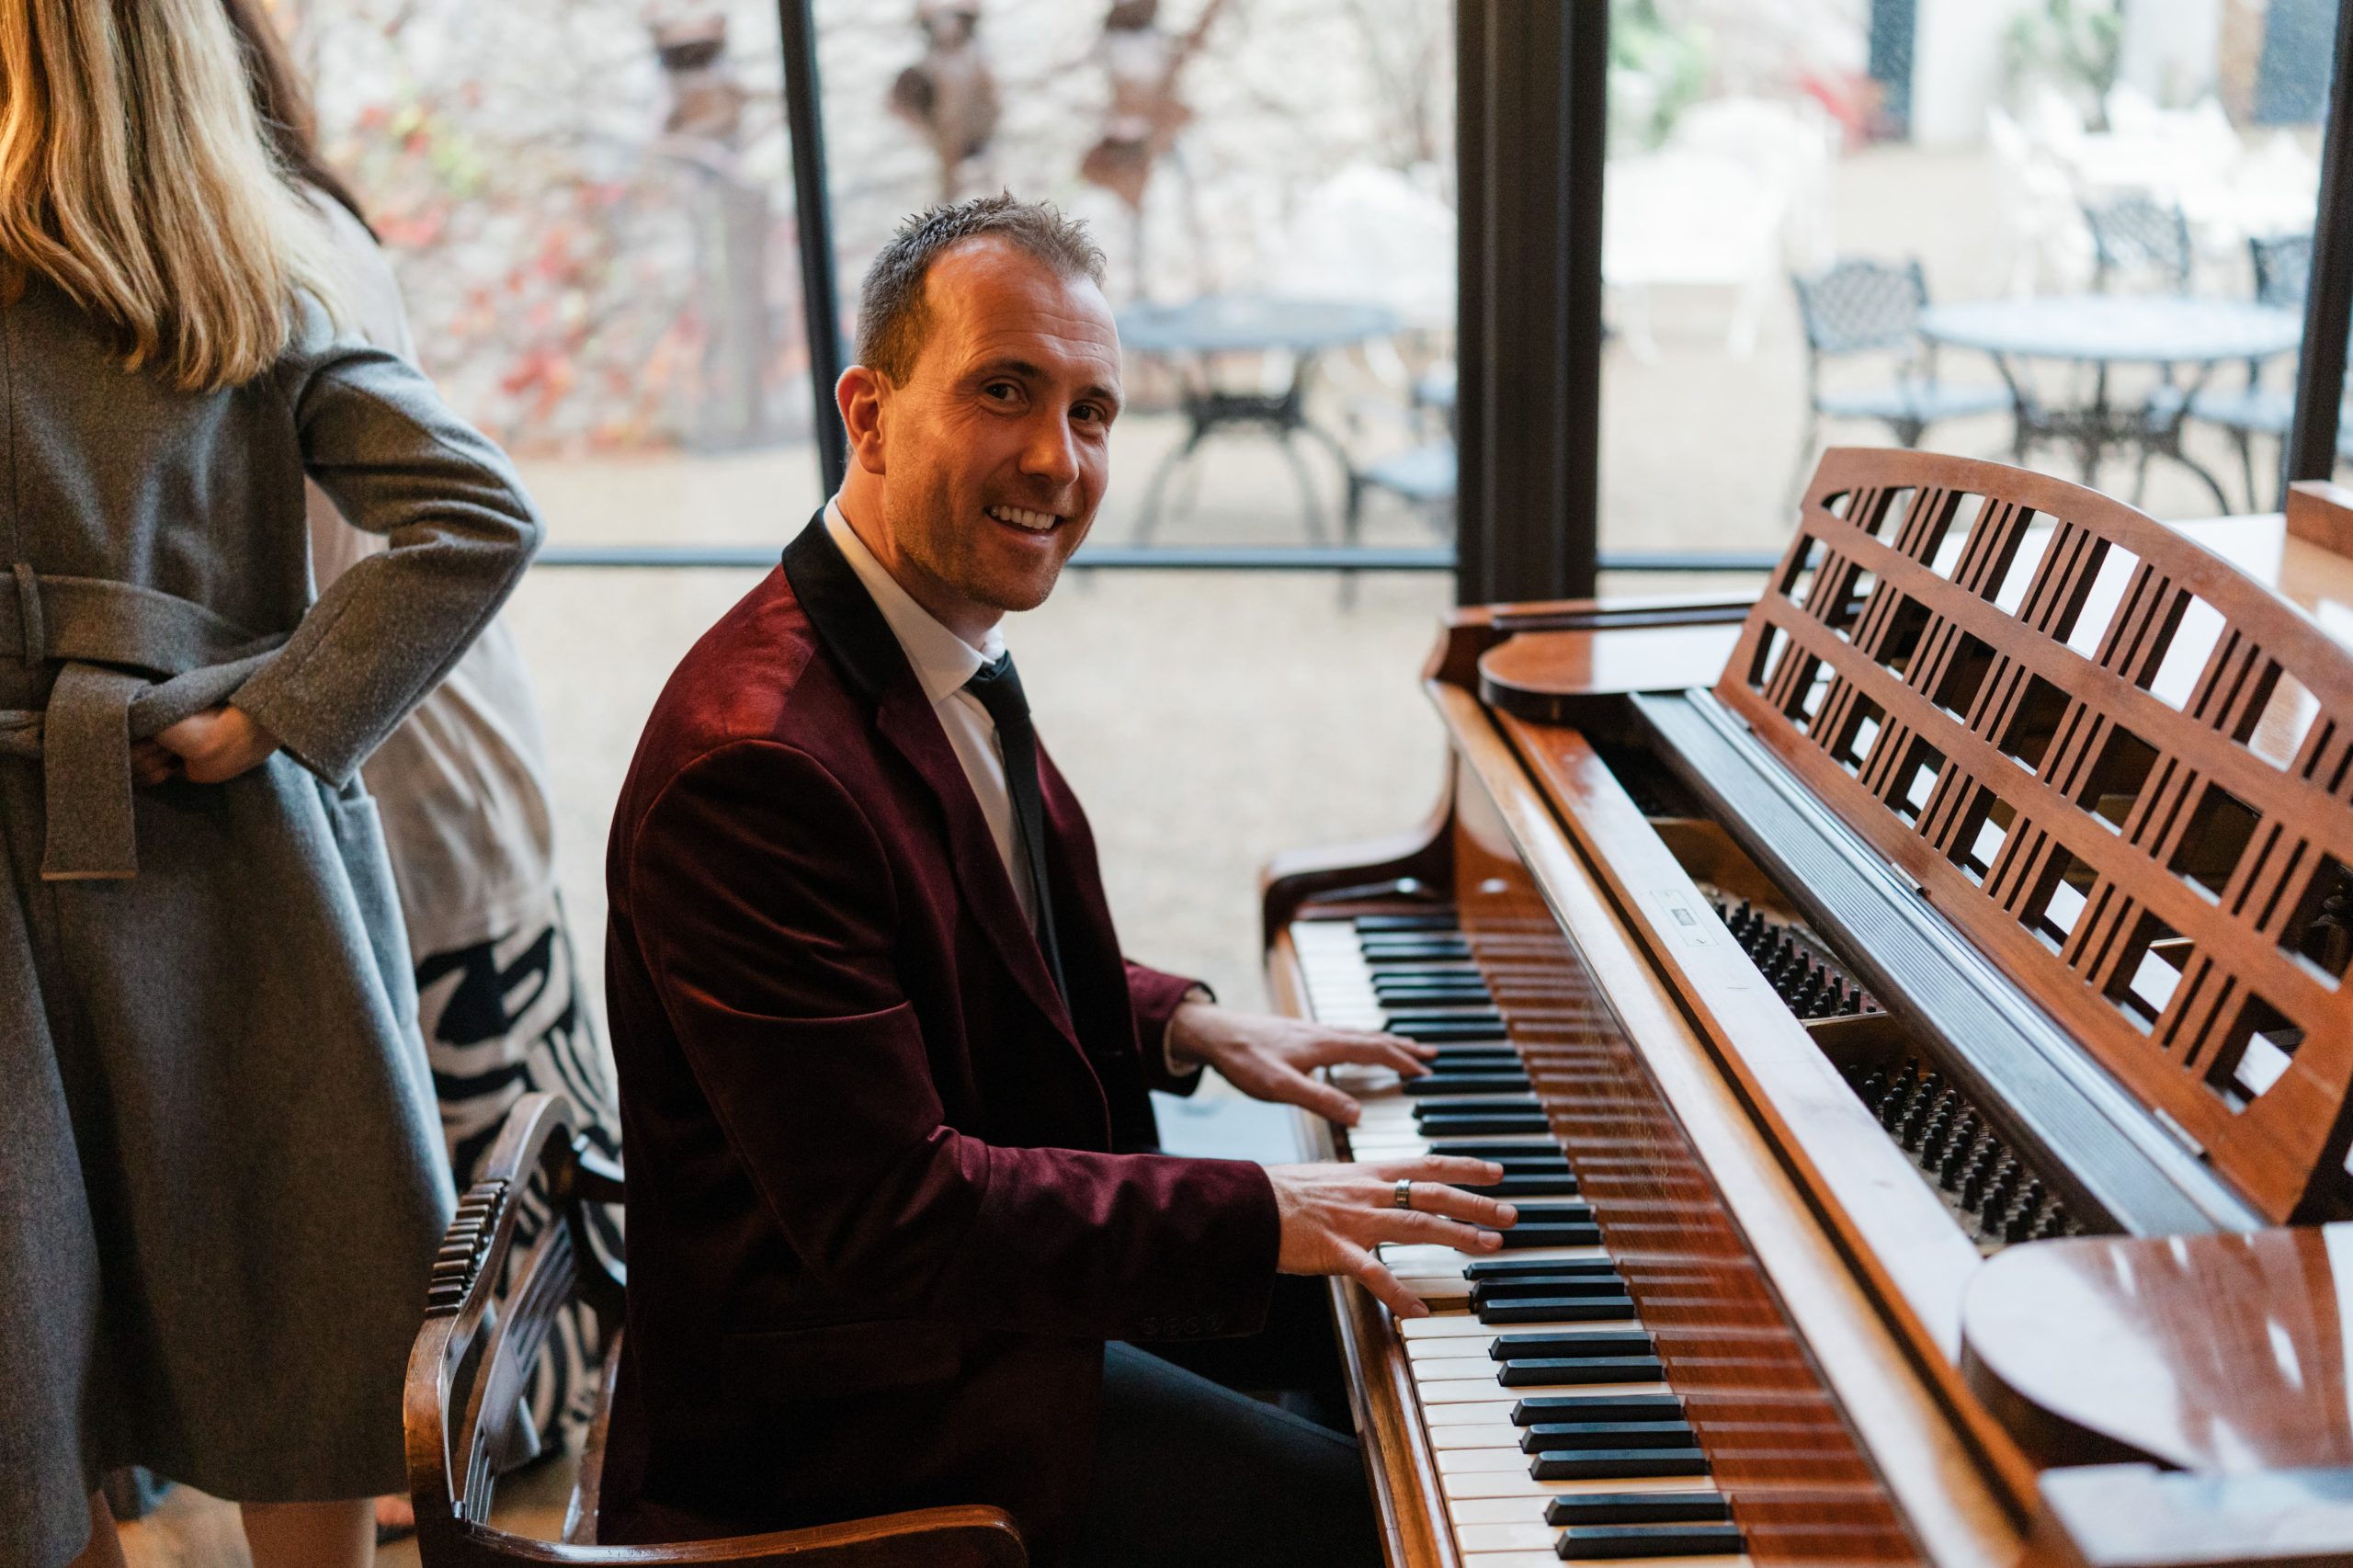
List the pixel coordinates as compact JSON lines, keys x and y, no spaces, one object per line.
{"x":210,"y":747}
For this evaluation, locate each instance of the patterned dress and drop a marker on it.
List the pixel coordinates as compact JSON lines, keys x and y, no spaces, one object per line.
{"x":462,"y":786}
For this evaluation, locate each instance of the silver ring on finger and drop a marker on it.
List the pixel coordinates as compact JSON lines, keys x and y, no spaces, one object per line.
{"x":1404,"y":1197}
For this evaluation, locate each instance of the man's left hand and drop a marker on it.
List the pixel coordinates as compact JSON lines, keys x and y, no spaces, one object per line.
{"x":1274,"y":1059}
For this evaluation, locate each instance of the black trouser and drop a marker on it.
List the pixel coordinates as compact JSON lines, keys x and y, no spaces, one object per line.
{"x":1189,"y":1474}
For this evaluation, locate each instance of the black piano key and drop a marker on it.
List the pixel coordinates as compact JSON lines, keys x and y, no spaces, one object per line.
{"x":1439,"y":1085}
{"x":1596,"y":1407}
{"x":1405,"y":1017}
{"x":1573,"y":1342}
{"x":1497,"y":1103}
{"x":1527,"y":1154}
{"x":1433,"y":1033}
{"x":1522,"y":1268}
{"x":1535,"y":1233}
{"x":1431,"y":920}
{"x":1478,"y":1067}
{"x":1551,"y":1309}
{"x":1538,"y":1371}
{"x":1616,"y":1464}
{"x":1465,"y":1123}
{"x":1620,"y":1543}
{"x":1533,"y":1161}
{"x":1567,"y":1278}
{"x":1415,"y":950}
{"x":1556,"y":1213}
{"x":1560,"y":1184}
{"x":1555,"y":1308}
{"x":1563,"y":1437}
{"x":1443,"y":971}
{"x":1443,"y":982}
{"x":1430,"y":998}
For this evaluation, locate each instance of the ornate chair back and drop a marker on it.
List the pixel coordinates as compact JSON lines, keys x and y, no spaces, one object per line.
{"x":487,"y":1317}
{"x":2133,"y":233}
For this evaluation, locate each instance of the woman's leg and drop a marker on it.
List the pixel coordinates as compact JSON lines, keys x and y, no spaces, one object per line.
{"x":311,"y":1534}
{"x":105,"y":1549}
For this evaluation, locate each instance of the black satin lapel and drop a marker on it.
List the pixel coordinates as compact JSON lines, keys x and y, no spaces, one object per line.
{"x":861,"y":645}
{"x":849,"y":627}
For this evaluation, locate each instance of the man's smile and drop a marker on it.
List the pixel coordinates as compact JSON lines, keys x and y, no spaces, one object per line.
{"x":1022,"y":518}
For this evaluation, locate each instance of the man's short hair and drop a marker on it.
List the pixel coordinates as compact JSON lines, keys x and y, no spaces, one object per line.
{"x":892,"y":317}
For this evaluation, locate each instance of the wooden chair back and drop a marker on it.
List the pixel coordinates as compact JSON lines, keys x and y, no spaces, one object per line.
{"x":2119,"y":765}
{"x":488,"y":1316}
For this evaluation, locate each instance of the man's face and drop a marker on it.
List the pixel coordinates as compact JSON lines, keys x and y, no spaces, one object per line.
{"x":996,"y":446}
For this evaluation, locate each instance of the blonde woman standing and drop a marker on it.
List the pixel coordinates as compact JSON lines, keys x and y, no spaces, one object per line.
{"x":221,"y":1180}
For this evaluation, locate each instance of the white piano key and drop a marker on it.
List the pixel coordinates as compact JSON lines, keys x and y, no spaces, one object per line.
{"x":1431,"y":1257}
{"x":1462,"y":1462}
{"x":1468,"y":1391}
{"x":1420,"y":1333}
{"x":1533,"y":1535}
{"x":1474,"y":1484}
{"x":1547,"y":1559}
{"x":1463,"y":1391}
{"x":1496,"y":1434}
{"x":1442,"y":1416}
{"x":1454,"y":1368}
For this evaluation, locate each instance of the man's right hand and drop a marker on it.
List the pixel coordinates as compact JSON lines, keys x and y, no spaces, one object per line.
{"x":1335,"y":1215}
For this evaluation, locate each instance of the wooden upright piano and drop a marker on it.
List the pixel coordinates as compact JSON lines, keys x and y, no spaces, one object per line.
{"x":1902,"y":1006}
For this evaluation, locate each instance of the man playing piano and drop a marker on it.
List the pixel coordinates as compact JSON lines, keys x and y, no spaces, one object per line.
{"x":893,"y":1203}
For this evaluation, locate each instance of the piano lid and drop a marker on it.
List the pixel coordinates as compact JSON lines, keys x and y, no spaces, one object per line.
{"x":2216,"y":1353}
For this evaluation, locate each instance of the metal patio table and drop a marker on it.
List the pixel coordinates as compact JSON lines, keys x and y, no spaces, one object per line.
{"x":2172,"y":332}
{"x":1190,"y":333}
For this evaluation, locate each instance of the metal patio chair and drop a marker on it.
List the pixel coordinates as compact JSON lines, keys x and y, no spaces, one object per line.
{"x":1862,"y":307}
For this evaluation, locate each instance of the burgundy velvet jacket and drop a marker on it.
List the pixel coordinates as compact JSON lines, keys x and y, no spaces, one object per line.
{"x":887,"y":1196}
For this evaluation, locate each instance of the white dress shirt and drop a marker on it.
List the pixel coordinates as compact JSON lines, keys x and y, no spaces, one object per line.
{"x":943,"y":661}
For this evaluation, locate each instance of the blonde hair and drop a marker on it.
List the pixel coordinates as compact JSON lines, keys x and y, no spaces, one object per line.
{"x":134,"y":176}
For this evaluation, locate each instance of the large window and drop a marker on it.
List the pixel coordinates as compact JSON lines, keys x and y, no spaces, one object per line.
{"x":2066,"y":232}
{"x":589,"y":203}
{"x":591,"y":216}
{"x":1271,"y":229}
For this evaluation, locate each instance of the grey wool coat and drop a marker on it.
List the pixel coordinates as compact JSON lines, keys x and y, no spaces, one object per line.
{"x":222,"y":1180}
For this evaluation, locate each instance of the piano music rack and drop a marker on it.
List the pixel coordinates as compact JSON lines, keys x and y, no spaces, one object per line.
{"x":2115,"y":762}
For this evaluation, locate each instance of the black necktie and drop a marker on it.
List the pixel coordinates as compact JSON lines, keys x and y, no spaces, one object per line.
{"x":999,"y":690}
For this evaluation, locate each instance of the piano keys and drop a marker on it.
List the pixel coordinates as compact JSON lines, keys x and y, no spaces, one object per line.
{"x":1784,"y":1009}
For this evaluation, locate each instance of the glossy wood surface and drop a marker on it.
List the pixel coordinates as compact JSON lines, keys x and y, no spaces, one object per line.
{"x":2138,"y":1517}
{"x":1896,"y":1234}
{"x":2211,"y":1353}
{"x":2321,"y":514}
{"x":1612,"y":660}
{"x":1955,"y":1508}
{"x":1952,"y":642}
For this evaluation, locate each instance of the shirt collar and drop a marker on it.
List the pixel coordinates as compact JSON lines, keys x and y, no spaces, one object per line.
{"x":942,"y":660}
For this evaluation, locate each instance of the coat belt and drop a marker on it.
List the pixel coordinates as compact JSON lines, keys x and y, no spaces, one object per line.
{"x":131,"y":662}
